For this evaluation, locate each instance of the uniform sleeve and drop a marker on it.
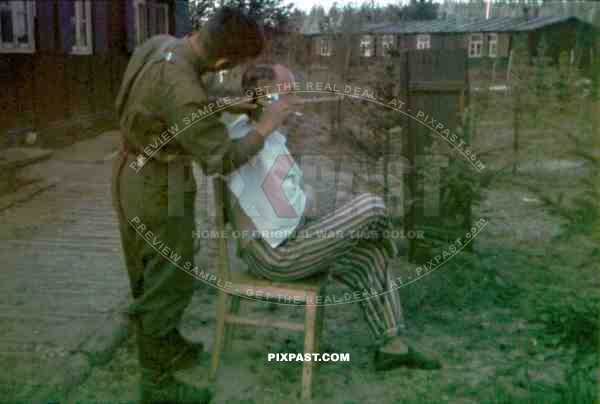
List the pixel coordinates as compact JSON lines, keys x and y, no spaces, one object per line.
{"x":202,"y":134}
{"x":207,"y":139}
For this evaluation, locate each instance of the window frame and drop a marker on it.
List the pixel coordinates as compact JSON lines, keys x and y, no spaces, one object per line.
{"x":165,"y":8}
{"x":493,"y":39}
{"x":140,"y":32}
{"x":324,"y":43}
{"x":479,"y":42}
{"x":388,"y":42}
{"x":31,"y":45}
{"x":82,"y":7}
{"x":221,"y":76}
{"x":423,"y":42}
{"x":364,"y":49}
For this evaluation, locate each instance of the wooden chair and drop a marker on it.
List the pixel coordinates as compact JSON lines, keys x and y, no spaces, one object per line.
{"x":298,"y":291}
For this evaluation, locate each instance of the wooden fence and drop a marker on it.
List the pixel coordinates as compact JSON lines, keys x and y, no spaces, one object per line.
{"x":435,"y":83}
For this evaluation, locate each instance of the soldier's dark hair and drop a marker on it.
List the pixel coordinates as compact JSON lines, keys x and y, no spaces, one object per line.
{"x":231,"y":33}
{"x":253,"y":74}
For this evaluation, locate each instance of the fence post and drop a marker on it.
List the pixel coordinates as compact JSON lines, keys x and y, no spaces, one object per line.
{"x":410,"y":147}
{"x":516,"y":128}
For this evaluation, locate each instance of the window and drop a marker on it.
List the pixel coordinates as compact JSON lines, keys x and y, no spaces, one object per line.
{"x":140,"y":21}
{"x":159,"y":19}
{"x":82,"y":27}
{"x":475,"y":45}
{"x":324,"y":48}
{"x":151,"y":19}
{"x":16,"y":26}
{"x":366,"y":46}
{"x":387,"y":44}
{"x":493,"y":45}
{"x":423,"y":41}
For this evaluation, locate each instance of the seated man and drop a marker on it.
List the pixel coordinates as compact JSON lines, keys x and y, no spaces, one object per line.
{"x":279,"y":254}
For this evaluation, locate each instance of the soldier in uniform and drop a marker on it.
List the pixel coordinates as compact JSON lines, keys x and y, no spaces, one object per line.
{"x":162,"y":89}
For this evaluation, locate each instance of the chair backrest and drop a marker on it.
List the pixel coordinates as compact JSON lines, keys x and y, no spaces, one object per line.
{"x":221,"y":220}
{"x":219,"y":199}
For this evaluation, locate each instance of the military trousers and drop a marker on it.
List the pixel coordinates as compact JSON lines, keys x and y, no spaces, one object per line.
{"x":156,"y":223}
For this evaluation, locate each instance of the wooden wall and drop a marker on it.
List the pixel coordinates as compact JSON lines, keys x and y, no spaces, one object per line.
{"x":51,"y":88}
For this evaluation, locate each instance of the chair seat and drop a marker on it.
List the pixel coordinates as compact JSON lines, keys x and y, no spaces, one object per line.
{"x":248,"y":284}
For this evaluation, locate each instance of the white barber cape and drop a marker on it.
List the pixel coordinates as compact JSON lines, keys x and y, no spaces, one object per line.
{"x":268,"y":187}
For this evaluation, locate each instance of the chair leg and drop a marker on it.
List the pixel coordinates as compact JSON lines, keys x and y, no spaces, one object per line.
{"x":309,"y":347}
{"x":219,"y":333}
{"x":319,"y":327}
{"x":234,"y":308}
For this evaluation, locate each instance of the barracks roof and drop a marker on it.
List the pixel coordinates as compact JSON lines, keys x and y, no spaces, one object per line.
{"x":499,"y":24}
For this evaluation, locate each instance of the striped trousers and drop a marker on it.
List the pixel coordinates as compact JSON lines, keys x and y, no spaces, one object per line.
{"x":357,"y":262}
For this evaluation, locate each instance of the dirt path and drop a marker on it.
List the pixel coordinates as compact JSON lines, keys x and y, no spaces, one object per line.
{"x":62,"y":276}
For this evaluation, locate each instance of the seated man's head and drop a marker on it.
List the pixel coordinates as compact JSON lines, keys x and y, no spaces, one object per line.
{"x":276,"y":77}
{"x":229,"y":38}
{"x":279,"y":80}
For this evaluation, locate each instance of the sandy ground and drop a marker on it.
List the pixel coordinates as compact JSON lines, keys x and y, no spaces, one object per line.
{"x":61,"y":275}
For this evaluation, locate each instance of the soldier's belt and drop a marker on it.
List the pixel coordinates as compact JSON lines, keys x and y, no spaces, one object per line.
{"x":134,"y":151}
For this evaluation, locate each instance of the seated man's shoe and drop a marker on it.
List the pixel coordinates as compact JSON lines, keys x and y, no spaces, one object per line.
{"x":396,"y":354}
{"x":168,"y":353}
{"x":159,"y":389}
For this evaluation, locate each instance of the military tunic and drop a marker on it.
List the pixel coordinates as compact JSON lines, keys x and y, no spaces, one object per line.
{"x":161,"y":92}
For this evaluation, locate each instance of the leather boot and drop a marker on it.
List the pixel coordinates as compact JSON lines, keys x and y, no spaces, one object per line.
{"x":160,"y":388}
{"x":169,"y":353}
{"x":159,"y":357}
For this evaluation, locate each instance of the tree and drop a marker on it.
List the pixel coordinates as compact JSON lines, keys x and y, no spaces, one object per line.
{"x":200,"y":10}
{"x":317,"y":11}
{"x":334,"y":13}
{"x":420,"y":10}
{"x":393,"y":12}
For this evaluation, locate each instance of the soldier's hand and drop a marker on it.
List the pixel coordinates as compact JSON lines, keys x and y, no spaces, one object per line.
{"x":274,"y":115}
{"x":242,"y":107}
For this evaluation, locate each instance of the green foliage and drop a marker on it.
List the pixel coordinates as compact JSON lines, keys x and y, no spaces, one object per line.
{"x":461,"y":189}
{"x":466,"y":281}
{"x":420,"y":10}
{"x":553,"y":99}
{"x":579,"y":390}
{"x":581,"y":217}
{"x":574,"y":325}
